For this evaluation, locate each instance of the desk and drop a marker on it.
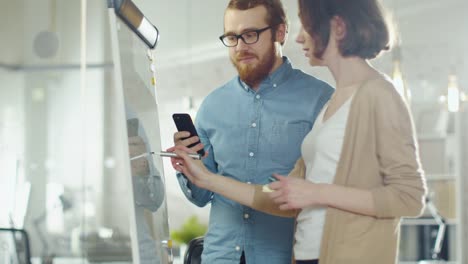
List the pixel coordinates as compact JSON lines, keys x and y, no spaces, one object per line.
{"x":177,"y":260}
{"x":73,"y":261}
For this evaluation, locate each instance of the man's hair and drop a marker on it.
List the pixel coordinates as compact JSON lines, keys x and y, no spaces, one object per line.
{"x":367,"y":31}
{"x":276,"y":14}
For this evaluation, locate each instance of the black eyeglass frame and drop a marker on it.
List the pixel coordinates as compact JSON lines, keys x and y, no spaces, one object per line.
{"x":258,"y":31}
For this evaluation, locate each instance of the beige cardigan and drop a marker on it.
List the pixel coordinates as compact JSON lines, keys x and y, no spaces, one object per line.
{"x":379,"y":154}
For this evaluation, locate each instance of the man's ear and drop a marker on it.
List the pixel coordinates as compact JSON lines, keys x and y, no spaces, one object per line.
{"x":281,"y":33}
{"x":338,"y":27}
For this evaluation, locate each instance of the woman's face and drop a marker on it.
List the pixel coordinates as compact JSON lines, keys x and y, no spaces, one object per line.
{"x":307,"y":43}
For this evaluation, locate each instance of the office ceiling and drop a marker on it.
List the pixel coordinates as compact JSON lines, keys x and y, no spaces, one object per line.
{"x":193,"y":26}
{"x":433,"y":35}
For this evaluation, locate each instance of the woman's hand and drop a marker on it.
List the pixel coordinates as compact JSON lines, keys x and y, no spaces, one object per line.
{"x":194,"y":170}
{"x":294,"y":193}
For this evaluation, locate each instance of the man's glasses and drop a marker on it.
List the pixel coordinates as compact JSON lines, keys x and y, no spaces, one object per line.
{"x":249,"y":37}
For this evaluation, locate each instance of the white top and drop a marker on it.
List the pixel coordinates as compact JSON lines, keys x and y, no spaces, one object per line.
{"x":321,"y":150}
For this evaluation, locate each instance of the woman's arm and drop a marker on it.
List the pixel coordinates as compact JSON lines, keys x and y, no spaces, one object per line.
{"x":243,"y":193}
{"x":293,"y":193}
{"x":404,"y":190}
{"x":349,"y":199}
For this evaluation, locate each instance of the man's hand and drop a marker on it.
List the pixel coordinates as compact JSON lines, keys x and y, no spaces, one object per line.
{"x":136,"y":146}
{"x":183,"y":138}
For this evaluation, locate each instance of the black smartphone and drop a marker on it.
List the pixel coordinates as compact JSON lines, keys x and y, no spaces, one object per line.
{"x":184,"y":122}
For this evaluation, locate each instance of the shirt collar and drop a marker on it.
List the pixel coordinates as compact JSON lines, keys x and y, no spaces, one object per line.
{"x":274,"y":79}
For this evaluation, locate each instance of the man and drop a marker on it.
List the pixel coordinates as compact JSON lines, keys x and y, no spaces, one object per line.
{"x":252,"y":127}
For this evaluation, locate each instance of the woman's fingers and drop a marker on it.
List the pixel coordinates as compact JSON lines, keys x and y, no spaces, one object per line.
{"x":182,"y":153}
{"x":279,"y":176}
{"x":179,"y":159}
{"x":280,"y":192}
{"x":285,"y":206}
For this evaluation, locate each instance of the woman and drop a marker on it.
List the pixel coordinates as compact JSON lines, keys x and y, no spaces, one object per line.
{"x":360,"y":161}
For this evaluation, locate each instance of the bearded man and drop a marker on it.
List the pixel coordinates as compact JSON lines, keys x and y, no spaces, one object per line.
{"x":250,"y":128}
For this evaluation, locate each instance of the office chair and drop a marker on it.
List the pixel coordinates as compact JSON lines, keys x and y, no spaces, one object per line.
{"x":20,"y":240}
{"x":194,"y":251}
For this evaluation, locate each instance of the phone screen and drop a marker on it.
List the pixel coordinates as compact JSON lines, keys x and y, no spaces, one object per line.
{"x":184,"y":122}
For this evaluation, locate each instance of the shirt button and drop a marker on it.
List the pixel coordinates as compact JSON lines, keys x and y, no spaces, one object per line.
{"x":254,"y":124}
{"x":274,"y":85}
{"x":258,"y":96}
{"x":251,"y":154}
{"x":246,"y":216}
{"x":237,"y":248}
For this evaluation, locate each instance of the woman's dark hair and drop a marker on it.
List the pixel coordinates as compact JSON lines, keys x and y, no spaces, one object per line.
{"x":276,"y":14}
{"x":367,"y":31}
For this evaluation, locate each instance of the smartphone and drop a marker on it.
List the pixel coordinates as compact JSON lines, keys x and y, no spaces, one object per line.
{"x":184,"y":122}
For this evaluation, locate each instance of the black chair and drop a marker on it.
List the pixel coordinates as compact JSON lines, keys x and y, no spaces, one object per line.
{"x":20,"y":240}
{"x":194,"y":251}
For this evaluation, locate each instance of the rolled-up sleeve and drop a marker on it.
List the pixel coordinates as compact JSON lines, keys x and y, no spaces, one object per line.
{"x":198,"y":196}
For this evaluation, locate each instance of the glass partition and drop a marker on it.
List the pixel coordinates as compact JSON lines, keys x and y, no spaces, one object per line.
{"x":134,"y":74}
{"x":65,"y":146}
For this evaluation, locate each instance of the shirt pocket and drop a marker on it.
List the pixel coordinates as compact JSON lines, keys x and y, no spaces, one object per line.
{"x":285,"y":140}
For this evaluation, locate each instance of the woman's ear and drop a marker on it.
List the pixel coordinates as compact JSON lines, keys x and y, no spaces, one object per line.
{"x":338,"y":27}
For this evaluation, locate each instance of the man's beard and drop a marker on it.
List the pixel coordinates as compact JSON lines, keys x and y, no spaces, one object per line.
{"x":253,"y":75}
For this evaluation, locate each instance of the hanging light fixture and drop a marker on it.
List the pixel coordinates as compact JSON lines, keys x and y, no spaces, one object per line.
{"x":454,"y":97}
{"x":136,"y":21}
{"x":46,"y":43}
{"x":397,"y":75}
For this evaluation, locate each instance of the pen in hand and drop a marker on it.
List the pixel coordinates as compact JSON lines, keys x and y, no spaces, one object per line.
{"x":173,"y":154}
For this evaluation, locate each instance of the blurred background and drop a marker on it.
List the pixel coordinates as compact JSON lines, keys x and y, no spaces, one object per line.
{"x":61,"y":152}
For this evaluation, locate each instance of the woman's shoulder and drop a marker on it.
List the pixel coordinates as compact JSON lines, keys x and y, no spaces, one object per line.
{"x":381,"y":94}
{"x":380,"y":87}
{"x":379,"y":83}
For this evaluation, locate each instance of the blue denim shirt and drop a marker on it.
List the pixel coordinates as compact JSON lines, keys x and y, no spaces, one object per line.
{"x":249,"y":135}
